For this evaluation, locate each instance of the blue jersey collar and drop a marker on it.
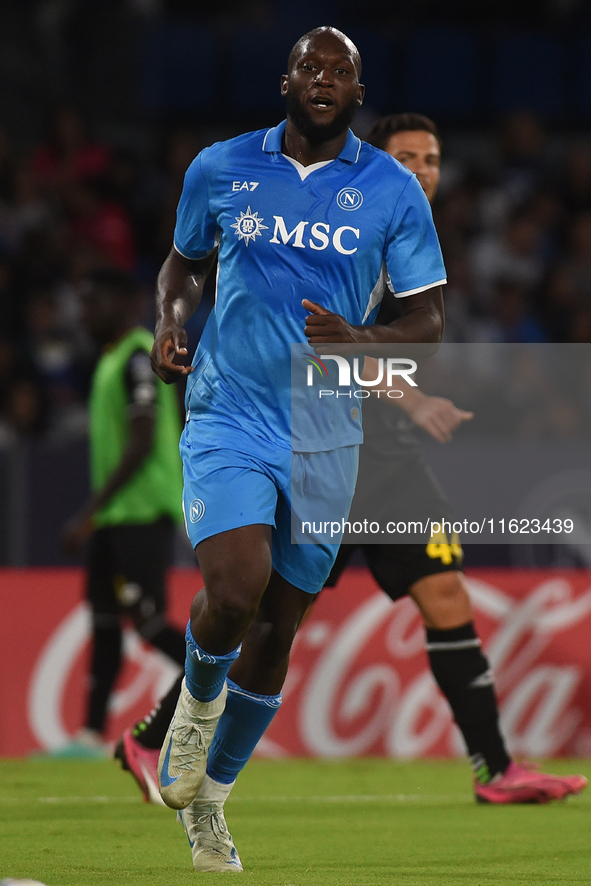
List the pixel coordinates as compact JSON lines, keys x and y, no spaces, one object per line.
{"x":273,"y":137}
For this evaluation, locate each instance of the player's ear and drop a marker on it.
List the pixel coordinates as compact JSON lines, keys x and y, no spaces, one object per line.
{"x":361,"y":94}
{"x":284,"y":82}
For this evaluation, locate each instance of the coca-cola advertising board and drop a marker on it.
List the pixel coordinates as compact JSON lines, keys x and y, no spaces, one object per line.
{"x":358,"y":684}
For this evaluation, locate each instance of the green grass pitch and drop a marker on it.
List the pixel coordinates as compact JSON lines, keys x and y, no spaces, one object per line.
{"x":295,"y":823}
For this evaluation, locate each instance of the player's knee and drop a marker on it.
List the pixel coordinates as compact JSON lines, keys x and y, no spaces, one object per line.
{"x":448,"y":587}
{"x":235,"y":595}
{"x":233,"y":609}
{"x":236,"y":575}
{"x":443,"y":600}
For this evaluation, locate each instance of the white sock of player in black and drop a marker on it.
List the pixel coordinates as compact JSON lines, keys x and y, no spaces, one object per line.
{"x":464,"y":676}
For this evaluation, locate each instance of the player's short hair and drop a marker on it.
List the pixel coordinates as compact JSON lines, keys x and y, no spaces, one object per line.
{"x":113,"y":279}
{"x":310,"y":35}
{"x":388,"y":126}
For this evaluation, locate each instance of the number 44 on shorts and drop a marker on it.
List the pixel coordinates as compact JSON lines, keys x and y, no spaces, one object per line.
{"x":440,"y":548}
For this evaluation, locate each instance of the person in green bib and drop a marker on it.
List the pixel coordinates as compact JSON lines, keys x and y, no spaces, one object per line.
{"x":136,"y":478}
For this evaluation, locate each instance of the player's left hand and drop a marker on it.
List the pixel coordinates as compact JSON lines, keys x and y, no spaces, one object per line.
{"x":170,"y":344}
{"x":323,"y":327}
{"x":76,"y":533}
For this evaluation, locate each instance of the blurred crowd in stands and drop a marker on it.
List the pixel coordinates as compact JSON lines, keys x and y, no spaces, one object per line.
{"x":514,"y":223}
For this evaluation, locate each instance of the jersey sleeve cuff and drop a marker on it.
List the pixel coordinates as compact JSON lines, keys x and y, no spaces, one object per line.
{"x":419,"y":288}
{"x":193,"y":257}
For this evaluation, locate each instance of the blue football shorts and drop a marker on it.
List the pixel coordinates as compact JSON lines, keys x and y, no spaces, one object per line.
{"x":233,"y":478}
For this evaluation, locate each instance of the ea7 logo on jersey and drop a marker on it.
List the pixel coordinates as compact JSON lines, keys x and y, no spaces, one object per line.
{"x":245,"y":186}
{"x":317,"y":237}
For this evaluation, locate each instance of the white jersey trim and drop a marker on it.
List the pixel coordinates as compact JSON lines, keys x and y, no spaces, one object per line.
{"x":377,"y":293}
{"x":191,"y":257}
{"x":182,"y":253}
{"x":267,"y":136}
{"x":420,"y":288}
{"x":304,"y":171}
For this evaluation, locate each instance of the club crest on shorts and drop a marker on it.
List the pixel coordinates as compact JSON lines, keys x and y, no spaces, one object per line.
{"x":197,"y":510}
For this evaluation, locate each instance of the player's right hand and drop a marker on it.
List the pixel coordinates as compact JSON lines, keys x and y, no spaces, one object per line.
{"x":170,"y":345}
{"x":439,"y":417}
{"x":325,"y":327}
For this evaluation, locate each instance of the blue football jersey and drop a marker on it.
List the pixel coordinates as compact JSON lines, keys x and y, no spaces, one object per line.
{"x":328,"y":233}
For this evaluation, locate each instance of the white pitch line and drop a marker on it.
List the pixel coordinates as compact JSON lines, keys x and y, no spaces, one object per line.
{"x":345,"y":798}
{"x":134,"y":799}
{"x":363,"y":798}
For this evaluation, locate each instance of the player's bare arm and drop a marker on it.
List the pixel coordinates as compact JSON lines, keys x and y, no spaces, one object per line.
{"x":438,"y":416}
{"x":178,"y":292}
{"x":422,"y":321}
{"x":80,"y":526}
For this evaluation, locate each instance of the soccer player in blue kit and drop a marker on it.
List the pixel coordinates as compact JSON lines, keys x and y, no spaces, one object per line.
{"x":305,"y":220}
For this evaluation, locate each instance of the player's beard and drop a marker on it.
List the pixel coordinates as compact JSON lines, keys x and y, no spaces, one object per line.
{"x":316,"y":133}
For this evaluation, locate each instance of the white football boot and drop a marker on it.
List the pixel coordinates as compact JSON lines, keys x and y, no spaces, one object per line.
{"x":210,"y":840}
{"x":183,"y":758}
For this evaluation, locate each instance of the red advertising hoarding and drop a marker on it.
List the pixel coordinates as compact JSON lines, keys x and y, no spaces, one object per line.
{"x":358,"y":684}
